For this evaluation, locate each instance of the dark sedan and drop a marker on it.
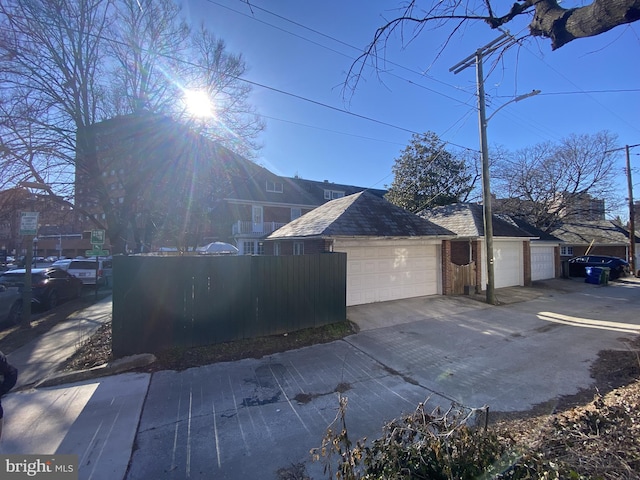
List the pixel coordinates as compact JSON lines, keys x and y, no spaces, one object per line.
{"x":10,"y":304}
{"x":48,"y":285}
{"x":618,"y":267}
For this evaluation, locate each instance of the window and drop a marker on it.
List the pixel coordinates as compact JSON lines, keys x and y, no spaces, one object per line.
{"x":260,"y":248}
{"x":296,"y":213}
{"x":333,"y":194}
{"x":248,"y":248}
{"x":566,"y":251}
{"x":298,"y":248}
{"x":276,"y":248}
{"x":274,"y":186}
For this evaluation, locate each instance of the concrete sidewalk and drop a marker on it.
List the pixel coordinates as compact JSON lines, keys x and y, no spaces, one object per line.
{"x":40,"y":358}
{"x":94,"y":419}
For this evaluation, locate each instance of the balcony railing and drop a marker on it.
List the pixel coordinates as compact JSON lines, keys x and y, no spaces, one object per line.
{"x":255,"y":229}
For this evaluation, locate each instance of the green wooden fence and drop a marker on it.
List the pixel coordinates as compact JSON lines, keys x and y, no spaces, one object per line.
{"x":163,"y":302}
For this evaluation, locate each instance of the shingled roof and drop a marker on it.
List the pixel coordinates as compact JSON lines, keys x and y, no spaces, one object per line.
{"x":602,"y":232}
{"x":533,"y":231}
{"x":360,"y":214}
{"x":466,"y":220}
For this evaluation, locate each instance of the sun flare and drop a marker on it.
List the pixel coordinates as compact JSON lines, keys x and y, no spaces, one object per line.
{"x":198,"y":103}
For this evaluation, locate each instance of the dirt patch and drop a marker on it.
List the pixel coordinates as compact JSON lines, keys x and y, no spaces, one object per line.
{"x":97,"y":350}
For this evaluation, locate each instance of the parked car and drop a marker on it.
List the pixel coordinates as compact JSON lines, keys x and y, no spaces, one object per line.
{"x":85,"y":270}
{"x":62,"y":264}
{"x":48,"y":285}
{"x":10,"y":304}
{"x":618,"y":266}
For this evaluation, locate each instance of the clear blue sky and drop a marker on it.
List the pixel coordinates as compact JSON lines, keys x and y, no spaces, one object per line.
{"x":304,"y":48}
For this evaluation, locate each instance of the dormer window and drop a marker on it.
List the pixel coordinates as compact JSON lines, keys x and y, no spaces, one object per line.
{"x":333,"y":194}
{"x":275,"y":187}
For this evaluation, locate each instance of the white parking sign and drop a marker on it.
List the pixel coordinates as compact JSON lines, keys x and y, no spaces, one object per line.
{"x":28,"y":223}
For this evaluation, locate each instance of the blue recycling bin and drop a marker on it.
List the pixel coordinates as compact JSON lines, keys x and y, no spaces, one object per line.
{"x":594,"y":275}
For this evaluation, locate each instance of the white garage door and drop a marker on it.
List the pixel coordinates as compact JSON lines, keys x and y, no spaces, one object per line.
{"x":379,"y":271}
{"x":508,"y":268}
{"x":542,"y":262}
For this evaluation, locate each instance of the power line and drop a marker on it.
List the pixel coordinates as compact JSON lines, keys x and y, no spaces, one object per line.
{"x":332,"y":131}
{"x":581,"y":92}
{"x":267,"y":87}
{"x":387,"y":73}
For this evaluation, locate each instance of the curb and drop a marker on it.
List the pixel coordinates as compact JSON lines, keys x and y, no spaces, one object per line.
{"x":120,"y":365}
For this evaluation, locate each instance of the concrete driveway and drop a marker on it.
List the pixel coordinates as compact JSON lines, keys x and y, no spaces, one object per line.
{"x":249,"y":418}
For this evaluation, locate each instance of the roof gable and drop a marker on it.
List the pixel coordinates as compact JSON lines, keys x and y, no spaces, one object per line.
{"x":360,"y":214}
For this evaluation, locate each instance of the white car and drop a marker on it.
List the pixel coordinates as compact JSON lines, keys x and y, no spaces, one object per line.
{"x":85,"y":270}
{"x":62,"y":264}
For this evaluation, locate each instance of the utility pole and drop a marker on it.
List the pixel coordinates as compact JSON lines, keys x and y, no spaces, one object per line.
{"x":503,"y":41}
{"x":632,"y":220}
{"x":632,"y":223}
{"x":486,"y":183}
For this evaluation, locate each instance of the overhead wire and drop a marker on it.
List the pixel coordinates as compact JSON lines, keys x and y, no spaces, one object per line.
{"x":584,"y":92}
{"x":341,"y":42}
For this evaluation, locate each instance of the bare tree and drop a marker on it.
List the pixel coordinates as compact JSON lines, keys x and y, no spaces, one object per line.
{"x":50,"y":73}
{"x":546,"y":19}
{"x":548,"y":182}
{"x":146,"y":43}
{"x":65,"y":66}
{"x":216,"y":72}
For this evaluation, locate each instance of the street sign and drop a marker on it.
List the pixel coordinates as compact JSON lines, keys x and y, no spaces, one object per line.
{"x":28,"y":223}
{"x":96,"y":252}
{"x":97,"y":237}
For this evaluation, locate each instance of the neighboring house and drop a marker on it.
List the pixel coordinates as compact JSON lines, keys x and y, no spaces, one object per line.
{"x":391,"y":253}
{"x":163,"y":181}
{"x":55,"y":221}
{"x":265,"y":202}
{"x":545,"y":251}
{"x":511,"y":247}
{"x":150,"y":165}
{"x":602,"y":237}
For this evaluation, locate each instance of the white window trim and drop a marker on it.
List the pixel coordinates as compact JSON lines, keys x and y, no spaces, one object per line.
{"x":274,"y":187}
{"x":566,"y":251}
{"x":333,"y":194}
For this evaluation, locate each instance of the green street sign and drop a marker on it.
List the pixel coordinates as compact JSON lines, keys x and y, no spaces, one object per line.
{"x":97,"y":237}
{"x":96,"y":252}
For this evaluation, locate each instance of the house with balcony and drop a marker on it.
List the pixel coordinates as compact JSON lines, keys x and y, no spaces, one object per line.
{"x":265,"y":202}
{"x":152,"y":168}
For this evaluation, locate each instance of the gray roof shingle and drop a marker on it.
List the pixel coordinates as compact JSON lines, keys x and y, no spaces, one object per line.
{"x":599,"y":232}
{"x":466,"y":220}
{"x":360,"y":214}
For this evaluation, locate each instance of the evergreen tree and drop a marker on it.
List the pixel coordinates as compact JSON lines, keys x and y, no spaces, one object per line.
{"x":427,"y":175}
